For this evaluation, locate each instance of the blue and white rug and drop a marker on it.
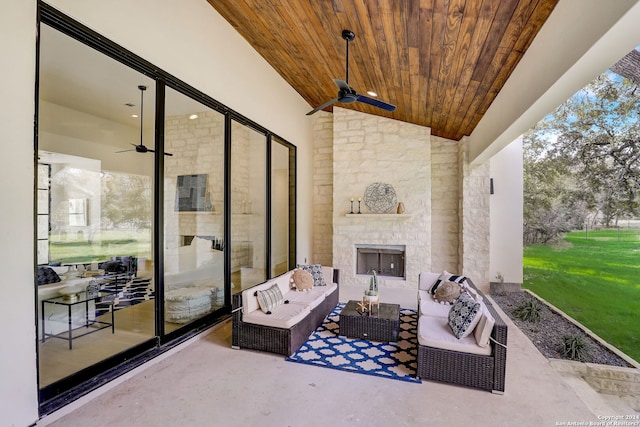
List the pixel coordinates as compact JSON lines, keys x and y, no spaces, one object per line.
{"x":131,"y":293}
{"x":395,"y":360}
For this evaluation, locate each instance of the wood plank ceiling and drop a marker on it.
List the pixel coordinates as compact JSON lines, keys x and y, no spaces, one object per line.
{"x":441,"y":62}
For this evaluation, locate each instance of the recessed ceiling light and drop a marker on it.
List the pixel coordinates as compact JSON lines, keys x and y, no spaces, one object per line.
{"x":371,"y":93}
{"x":134,"y":116}
{"x":193,"y":117}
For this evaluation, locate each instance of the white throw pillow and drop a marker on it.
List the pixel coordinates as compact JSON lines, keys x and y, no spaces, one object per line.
{"x":484,"y":328}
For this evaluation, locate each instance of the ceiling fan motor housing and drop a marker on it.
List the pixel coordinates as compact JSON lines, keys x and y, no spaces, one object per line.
{"x":348,"y":35}
{"x":347,"y":97}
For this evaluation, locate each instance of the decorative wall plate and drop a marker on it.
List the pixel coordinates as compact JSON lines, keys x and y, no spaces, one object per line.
{"x":380,"y":198}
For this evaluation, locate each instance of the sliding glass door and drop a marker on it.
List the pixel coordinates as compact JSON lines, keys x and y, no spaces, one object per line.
{"x":154,"y":203}
{"x":95,"y":208}
{"x":282,"y":192}
{"x":193,"y":210}
{"x":248,"y":206}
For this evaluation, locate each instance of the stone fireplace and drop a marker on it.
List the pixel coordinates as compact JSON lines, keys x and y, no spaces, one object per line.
{"x":386,"y":260}
{"x":445,"y":223}
{"x":369,"y":149}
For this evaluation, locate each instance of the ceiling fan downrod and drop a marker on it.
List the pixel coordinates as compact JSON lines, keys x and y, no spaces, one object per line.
{"x":142,"y":89}
{"x":348,"y":35}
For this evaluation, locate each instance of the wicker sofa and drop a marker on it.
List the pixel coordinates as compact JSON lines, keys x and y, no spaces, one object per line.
{"x":290,"y":324}
{"x":445,"y":358}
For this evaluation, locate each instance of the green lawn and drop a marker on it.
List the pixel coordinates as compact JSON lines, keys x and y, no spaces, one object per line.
{"x":595,"y":279}
{"x":103,"y":246}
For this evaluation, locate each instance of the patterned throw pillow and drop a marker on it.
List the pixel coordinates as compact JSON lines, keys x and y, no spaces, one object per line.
{"x":47,"y":275}
{"x":301,"y":280}
{"x":464,"y":315}
{"x":316,"y":273}
{"x":270,"y":298}
{"x":447,"y":293}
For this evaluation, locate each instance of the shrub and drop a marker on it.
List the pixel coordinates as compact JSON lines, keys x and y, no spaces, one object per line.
{"x":574,"y":347}
{"x":528,"y":310}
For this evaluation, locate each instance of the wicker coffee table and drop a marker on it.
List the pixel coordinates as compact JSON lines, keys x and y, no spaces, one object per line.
{"x":382,"y":326}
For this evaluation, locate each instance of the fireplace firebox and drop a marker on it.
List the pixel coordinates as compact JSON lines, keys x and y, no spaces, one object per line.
{"x":386,"y":260}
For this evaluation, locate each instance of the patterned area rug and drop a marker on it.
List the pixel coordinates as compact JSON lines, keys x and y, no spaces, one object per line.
{"x":395,"y":360}
{"x":130,"y":293}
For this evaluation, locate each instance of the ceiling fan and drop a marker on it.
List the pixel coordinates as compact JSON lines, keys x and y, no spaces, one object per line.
{"x":346,"y":94}
{"x":141,"y":148}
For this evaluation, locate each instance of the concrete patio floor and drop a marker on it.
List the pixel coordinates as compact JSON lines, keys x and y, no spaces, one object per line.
{"x":204,"y":382}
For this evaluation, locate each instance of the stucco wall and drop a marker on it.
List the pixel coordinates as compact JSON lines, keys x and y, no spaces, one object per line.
{"x":506,"y":214}
{"x":18,"y":391}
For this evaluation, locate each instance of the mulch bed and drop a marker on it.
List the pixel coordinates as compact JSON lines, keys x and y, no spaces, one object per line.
{"x":547,"y":334}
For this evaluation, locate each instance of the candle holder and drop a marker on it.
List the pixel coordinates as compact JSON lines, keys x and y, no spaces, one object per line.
{"x":359,"y":207}
{"x":351,"y":207}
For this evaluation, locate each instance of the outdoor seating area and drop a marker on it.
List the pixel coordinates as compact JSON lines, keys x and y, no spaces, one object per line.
{"x":278,"y":317}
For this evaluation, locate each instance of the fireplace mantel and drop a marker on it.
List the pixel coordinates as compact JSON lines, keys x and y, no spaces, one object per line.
{"x":380,"y":216}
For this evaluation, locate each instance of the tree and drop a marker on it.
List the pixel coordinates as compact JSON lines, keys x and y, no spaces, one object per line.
{"x":552,"y":202}
{"x":126,"y":201}
{"x":584,"y":158}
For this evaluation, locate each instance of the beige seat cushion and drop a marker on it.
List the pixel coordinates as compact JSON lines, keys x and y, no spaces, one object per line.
{"x":435,"y":332}
{"x":284,"y":316}
{"x":428,"y":307}
{"x":311,"y":299}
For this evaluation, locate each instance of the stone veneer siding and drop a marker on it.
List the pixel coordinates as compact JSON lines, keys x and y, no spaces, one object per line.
{"x":445,"y":196}
{"x":323,"y":189}
{"x":475,"y":220}
{"x":369,"y":149}
{"x":447,"y":200}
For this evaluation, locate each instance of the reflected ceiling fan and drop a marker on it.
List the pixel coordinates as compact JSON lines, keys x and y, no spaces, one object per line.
{"x":141,"y":148}
{"x":346,"y":94}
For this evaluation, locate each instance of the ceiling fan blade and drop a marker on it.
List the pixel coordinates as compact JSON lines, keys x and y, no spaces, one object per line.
{"x":342,"y":85}
{"x":168,"y":154}
{"x":124,"y":151}
{"x":376,"y":103}
{"x":323,"y":106}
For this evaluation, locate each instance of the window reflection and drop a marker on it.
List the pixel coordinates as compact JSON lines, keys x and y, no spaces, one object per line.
{"x":194,"y":203}
{"x":248,"y":206}
{"x":94,"y":209}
